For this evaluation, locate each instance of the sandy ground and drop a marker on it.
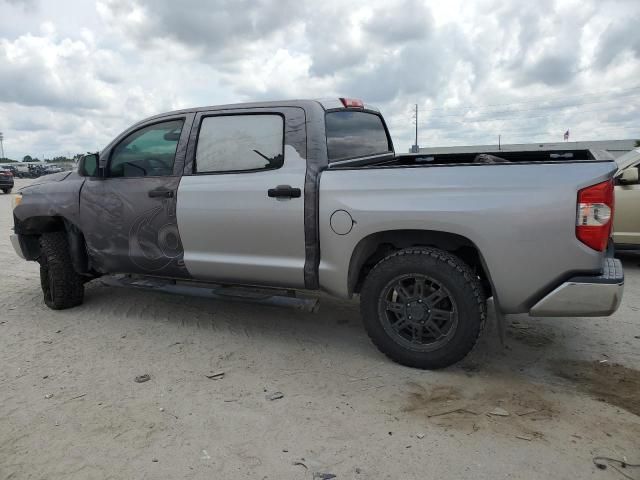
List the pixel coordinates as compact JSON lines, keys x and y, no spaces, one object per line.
{"x":70,"y":409}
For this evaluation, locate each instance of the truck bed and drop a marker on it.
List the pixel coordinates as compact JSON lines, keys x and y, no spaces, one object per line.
{"x":519,"y":213}
{"x":487,"y":158}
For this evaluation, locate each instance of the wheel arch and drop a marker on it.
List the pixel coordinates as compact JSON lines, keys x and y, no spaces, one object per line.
{"x":374,"y":247}
{"x":32,"y":228}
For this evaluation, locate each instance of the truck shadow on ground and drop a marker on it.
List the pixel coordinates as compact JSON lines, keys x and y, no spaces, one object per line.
{"x":336,"y":326}
{"x":536,"y":351}
{"x":522,"y":377}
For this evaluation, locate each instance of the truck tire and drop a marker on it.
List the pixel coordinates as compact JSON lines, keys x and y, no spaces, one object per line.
{"x":61,"y":285}
{"x":6,"y":190}
{"x":423,"y":307}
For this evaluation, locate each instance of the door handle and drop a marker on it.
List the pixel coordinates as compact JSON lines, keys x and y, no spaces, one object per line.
{"x":161,"y":193}
{"x":284,"y":191}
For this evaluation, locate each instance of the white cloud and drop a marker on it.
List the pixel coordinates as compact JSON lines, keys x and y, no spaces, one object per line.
{"x":71,"y":79}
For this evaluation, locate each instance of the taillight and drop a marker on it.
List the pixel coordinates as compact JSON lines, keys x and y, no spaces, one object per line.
{"x":595,"y":215}
{"x":352,"y":103}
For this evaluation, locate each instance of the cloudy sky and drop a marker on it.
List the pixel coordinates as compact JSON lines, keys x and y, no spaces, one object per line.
{"x":75,"y":73}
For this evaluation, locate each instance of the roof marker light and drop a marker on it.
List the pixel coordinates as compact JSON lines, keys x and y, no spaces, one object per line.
{"x":352,"y":103}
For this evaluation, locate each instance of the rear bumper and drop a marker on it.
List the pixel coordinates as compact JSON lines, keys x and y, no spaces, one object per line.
{"x":15,"y":242}
{"x":585,"y":296}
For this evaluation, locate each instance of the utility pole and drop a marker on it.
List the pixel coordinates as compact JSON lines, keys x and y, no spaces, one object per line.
{"x":499,"y":146}
{"x":1,"y":146}
{"x":415,"y":148}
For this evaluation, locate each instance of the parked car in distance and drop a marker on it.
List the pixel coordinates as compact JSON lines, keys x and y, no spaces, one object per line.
{"x":18,"y":169}
{"x":6,"y":180}
{"x":11,"y":168}
{"x":626,"y":222}
{"x":308,"y":195}
{"x":52,"y":169}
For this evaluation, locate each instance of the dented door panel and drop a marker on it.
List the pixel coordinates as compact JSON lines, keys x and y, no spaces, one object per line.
{"x":130,"y":223}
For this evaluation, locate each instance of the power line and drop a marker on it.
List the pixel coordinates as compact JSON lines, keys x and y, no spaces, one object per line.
{"x":546,"y":98}
{"x":531,"y":136}
{"x":524,"y":131}
{"x":549,"y":133}
{"x":486,"y":118}
{"x":543,"y":107}
{"x":558,"y":126}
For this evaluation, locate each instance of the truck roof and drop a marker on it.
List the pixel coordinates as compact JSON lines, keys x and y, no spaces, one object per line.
{"x":324,"y":103}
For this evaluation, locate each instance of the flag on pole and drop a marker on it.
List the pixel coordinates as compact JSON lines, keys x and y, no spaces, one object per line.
{"x":566,"y":135}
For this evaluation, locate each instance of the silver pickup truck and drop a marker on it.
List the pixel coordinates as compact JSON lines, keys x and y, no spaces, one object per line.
{"x":309,"y":195}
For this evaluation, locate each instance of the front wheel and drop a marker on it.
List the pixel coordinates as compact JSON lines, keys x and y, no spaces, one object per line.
{"x":423,"y":307}
{"x":61,"y":285}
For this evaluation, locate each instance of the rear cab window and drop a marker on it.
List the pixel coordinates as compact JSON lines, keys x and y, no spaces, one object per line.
{"x":354,"y":134}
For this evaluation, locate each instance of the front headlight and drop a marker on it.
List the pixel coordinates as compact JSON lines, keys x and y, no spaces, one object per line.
{"x":17,"y":200}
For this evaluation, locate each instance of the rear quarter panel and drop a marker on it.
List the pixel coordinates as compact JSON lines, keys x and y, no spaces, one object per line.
{"x":521,"y":217}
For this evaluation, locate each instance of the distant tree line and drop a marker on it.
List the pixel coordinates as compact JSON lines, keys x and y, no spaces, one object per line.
{"x":29,"y":158}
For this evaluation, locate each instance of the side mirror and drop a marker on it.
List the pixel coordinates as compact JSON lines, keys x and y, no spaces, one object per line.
{"x":629,"y":176}
{"x":88,"y":165}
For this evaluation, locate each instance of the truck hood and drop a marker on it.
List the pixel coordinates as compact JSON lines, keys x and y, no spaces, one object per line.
{"x":53,"y":177}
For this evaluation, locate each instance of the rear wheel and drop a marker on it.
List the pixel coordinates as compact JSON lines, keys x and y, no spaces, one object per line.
{"x":423,"y":307}
{"x":61,"y":285}
{"x":6,"y":190}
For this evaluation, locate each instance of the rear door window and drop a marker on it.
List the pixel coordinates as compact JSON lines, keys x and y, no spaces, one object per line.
{"x":355,"y":134}
{"x":240,"y":143}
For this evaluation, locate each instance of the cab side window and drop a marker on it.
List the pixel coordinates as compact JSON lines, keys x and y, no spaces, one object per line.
{"x":148,"y":152}
{"x":235,"y":143}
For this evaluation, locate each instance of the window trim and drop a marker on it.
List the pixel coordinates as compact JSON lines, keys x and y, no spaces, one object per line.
{"x":363,"y":157}
{"x":141,"y":127}
{"x":234,"y":114}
